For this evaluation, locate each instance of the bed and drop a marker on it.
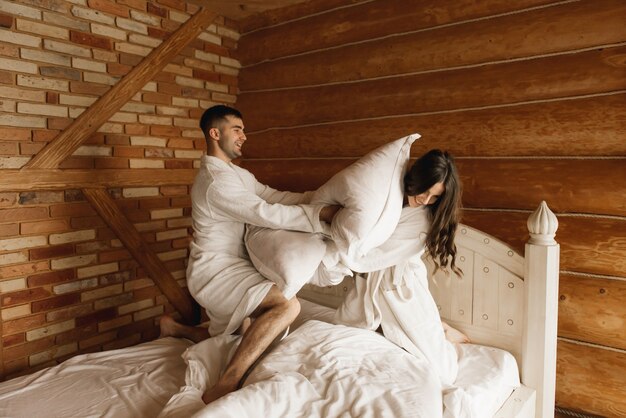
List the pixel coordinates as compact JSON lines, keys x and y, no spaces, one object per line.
{"x":505,"y":303}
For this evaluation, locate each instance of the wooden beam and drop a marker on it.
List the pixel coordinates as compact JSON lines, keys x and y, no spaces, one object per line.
{"x":17,"y":181}
{"x":141,"y":251}
{"x":243,"y":8}
{"x":91,"y":119}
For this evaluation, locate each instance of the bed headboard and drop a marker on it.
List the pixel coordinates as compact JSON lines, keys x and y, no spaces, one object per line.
{"x":502,"y":300}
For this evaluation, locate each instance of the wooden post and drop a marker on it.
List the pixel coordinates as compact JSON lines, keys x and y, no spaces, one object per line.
{"x":541,"y":305}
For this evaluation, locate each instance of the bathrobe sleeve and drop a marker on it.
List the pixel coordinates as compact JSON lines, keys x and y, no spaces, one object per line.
{"x":271,"y":195}
{"x":228,"y":199}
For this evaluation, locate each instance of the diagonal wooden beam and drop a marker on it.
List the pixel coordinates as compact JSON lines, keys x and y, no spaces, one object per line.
{"x":135,"y":244}
{"x":91,"y":119}
{"x":19,"y":181}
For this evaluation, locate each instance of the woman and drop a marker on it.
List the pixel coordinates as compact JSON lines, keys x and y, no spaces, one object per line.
{"x":394,"y":297}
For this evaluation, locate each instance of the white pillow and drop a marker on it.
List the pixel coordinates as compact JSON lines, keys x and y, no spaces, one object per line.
{"x":371,"y":192}
{"x":288,"y":258}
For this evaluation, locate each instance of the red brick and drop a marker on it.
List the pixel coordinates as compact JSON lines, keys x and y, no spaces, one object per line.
{"x":111,"y":162}
{"x":9,"y":50}
{"x":9,"y":230}
{"x":6,"y":21}
{"x":95,"y":139}
{"x":88,"y":88}
{"x":156,"y":10}
{"x":78,"y":162}
{"x":135,"y":4}
{"x":52,"y":97}
{"x":115,"y":139}
{"x":14,"y":339}
{"x":133,"y":152}
{"x":154,"y":203}
{"x":109,"y":256}
{"x":130,"y":59}
{"x":24,"y":350}
{"x":22,"y":214}
{"x":231,"y":80}
{"x":76,"y":334}
{"x":170,"y":25}
{"x":136,"y":129}
{"x":196,"y":113}
{"x":95,"y":317}
{"x":181,"y":201}
{"x":44,"y":136}
{"x":114,"y":68}
{"x":175,"y":265}
{"x":9,"y":148}
{"x":24,"y":269}
{"x":51,"y":225}
{"x":125,"y":342}
{"x":233,"y":90}
{"x":159,"y":98}
{"x":27,"y":148}
{"x":91,"y":40}
{"x":87,"y":222}
{"x":71,"y":209}
{"x":162,"y":130}
{"x":182,"y":242}
{"x":105,"y":234}
{"x":23,"y":296}
{"x":173,"y":190}
{"x":180,"y":143}
{"x":53,"y":277}
{"x":52,"y":252}
{"x":109,"y":7}
{"x":69,"y":313}
{"x":14,"y":134}
{"x":8,"y":199}
{"x":55,"y":302}
{"x":137,"y":215}
{"x":197,"y":94}
{"x":136,"y":327}
{"x":7,"y":77}
{"x":215,"y":49}
{"x":59,"y":123}
{"x":229,"y":43}
{"x":206,"y":75}
{"x":22,"y":324}
{"x":169,"y":88}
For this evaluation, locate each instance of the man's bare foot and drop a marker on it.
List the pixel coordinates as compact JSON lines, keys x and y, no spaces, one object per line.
{"x":171,"y":328}
{"x":216,"y":392}
{"x":454,"y":335}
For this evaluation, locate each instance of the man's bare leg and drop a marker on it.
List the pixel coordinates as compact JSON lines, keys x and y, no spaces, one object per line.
{"x":171,"y":328}
{"x":275,"y":314}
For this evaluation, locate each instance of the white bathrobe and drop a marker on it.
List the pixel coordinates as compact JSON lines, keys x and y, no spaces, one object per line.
{"x":220,"y":275}
{"x":394,"y":295}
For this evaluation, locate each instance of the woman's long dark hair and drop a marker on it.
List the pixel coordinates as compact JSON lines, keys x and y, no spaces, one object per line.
{"x":433,"y":167}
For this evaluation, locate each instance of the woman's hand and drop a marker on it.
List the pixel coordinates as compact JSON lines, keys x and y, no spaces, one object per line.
{"x":328,"y":213}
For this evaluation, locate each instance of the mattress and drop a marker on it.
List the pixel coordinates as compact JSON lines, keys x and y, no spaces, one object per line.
{"x":139,"y":381}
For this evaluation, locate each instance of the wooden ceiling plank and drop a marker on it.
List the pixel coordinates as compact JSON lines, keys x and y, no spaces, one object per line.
{"x":90,"y":121}
{"x":141,"y":251}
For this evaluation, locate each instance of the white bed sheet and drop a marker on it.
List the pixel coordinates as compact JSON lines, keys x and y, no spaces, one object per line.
{"x":130,"y":382}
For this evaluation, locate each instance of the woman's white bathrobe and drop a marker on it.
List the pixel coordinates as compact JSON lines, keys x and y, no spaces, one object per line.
{"x":220,"y":275}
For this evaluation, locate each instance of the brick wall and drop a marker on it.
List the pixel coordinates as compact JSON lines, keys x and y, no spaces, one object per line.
{"x":67,"y":284}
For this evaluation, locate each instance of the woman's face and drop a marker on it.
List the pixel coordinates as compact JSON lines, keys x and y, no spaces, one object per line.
{"x":429,"y":197}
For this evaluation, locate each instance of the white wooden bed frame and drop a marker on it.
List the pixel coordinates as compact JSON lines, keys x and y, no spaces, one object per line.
{"x":502,"y":300}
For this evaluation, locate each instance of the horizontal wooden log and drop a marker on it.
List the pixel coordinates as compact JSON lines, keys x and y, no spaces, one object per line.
{"x":16,"y":180}
{"x":568,"y":185}
{"x":507,"y":37}
{"x":592,"y":309}
{"x":243,"y":8}
{"x":361,"y":21}
{"x":591,"y":379}
{"x":588,"y":245}
{"x":141,"y":251}
{"x":284,"y":14}
{"x":589,"y":126}
{"x":539,"y":79}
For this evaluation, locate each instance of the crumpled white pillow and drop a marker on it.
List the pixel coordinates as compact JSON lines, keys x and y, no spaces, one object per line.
{"x":288,"y":258}
{"x":371,"y":193}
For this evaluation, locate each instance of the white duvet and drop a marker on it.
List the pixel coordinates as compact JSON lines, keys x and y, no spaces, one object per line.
{"x":320,"y":370}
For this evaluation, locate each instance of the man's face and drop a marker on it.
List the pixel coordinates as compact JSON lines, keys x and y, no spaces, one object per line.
{"x":231,"y":137}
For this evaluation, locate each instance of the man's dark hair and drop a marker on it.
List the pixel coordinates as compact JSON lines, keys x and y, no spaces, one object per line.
{"x":215,"y":114}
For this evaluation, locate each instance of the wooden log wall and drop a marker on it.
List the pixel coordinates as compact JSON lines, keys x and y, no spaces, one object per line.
{"x":68,"y":284}
{"x":529,"y":95}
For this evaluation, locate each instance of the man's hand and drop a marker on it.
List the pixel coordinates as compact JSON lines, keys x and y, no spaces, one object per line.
{"x":328,"y":213}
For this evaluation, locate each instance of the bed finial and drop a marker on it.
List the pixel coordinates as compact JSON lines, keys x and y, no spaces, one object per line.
{"x":542,"y":225}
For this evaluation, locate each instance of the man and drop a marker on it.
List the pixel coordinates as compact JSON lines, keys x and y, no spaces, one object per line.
{"x":220,"y":275}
